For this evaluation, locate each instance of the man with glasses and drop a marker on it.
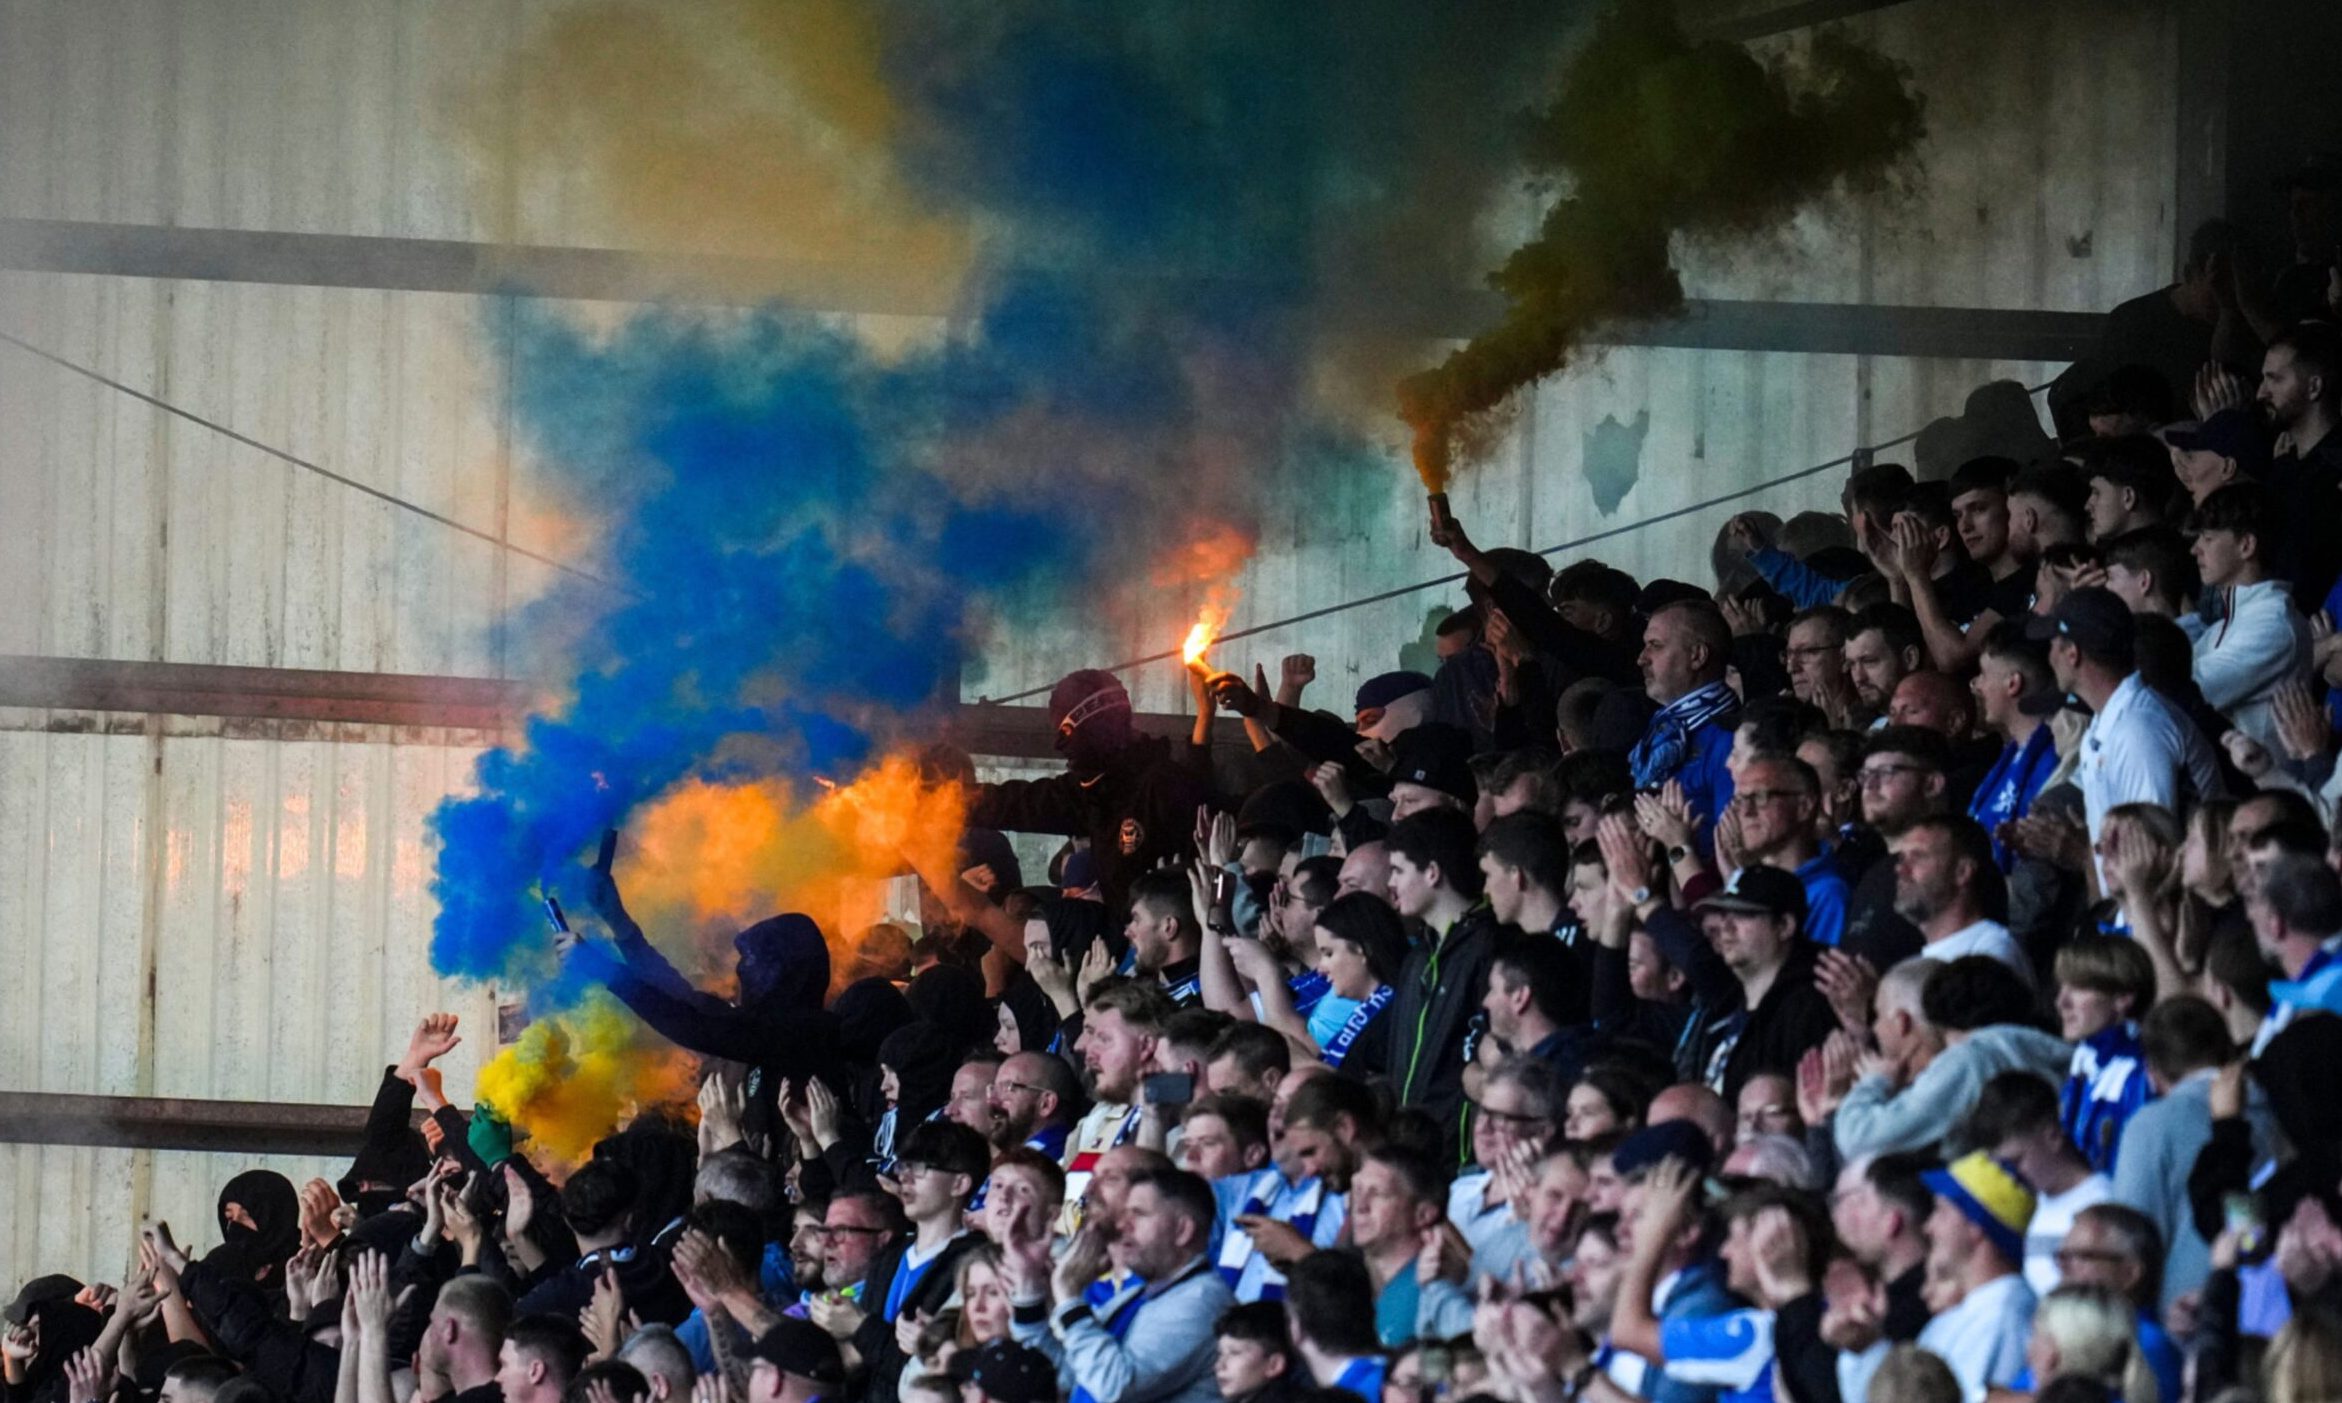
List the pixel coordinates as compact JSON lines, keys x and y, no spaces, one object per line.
{"x":2116,"y":1248}
{"x":1032,"y":1103}
{"x":1903,"y":769}
{"x":1816,"y":657}
{"x":1513,"y":1116}
{"x":857,"y":1228}
{"x":1774,"y":822}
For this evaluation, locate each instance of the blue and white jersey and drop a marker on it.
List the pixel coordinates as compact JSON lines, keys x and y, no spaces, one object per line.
{"x":1732,"y":1352}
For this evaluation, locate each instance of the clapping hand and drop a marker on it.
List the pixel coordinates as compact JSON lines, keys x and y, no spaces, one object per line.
{"x":370,"y":1292}
{"x":2301,"y":723}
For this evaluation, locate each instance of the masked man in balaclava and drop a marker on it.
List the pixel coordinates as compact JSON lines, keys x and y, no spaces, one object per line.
{"x":775,"y":1024}
{"x":1128,"y":793}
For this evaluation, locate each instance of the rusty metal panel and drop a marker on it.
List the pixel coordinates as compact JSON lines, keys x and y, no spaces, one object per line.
{"x":208,"y":917}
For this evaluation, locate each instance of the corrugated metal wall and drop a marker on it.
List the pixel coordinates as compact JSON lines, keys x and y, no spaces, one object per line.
{"x":270,"y":883}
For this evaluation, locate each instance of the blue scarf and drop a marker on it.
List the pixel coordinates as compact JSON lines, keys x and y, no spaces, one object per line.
{"x":1661,"y":751}
{"x":2009,"y":788}
{"x":1338,"y":1047}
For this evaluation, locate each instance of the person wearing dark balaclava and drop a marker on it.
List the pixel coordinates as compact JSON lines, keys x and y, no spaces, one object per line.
{"x":1126,"y":792}
{"x":61,"y":1328}
{"x":917,"y":1060}
{"x":776,"y":1024}
{"x":260,"y":1228}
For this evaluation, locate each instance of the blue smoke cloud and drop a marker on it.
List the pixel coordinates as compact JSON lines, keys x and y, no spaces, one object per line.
{"x":1185,"y":206}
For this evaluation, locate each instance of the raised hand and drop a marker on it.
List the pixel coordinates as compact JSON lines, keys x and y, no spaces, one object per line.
{"x":1914,"y":547}
{"x":2301,"y":722}
{"x":19,"y":1343}
{"x":1779,"y":1247}
{"x":1731,"y":855}
{"x":1083,"y":1262}
{"x":1666,"y":1205}
{"x":370,"y":1292}
{"x":301,"y":1280}
{"x":1625,"y":853}
{"x":1850,"y":983}
{"x":1294,"y":673}
{"x":2216,"y":389}
{"x":463,"y":1226}
{"x":520,"y":1204}
{"x":1442,"y":1254}
{"x":603,"y":1319}
{"x":1744,"y":535}
{"x":821,"y":1107}
{"x":166,"y":1250}
{"x":433,"y":1038}
{"x":1097,"y":964}
{"x":1231,"y":694}
{"x":318,"y":1204}
{"x":1333,"y":785}
{"x":1219,"y":839}
{"x":1666,"y":816}
{"x":85,"y":1376}
{"x":1377,"y":754}
{"x":1254,"y":963}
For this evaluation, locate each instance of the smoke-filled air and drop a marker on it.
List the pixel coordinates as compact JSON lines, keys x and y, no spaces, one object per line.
{"x":1657,"y":137}
{"x":1150,"y":270}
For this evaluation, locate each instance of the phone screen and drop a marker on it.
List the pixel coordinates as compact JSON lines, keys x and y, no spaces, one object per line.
{"x":1169,"y":1088}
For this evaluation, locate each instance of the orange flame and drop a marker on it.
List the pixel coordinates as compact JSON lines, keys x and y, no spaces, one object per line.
{"x":1207,"y":629}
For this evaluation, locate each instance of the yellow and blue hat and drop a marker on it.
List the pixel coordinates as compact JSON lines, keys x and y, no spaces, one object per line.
{"x":1991,"y":1195}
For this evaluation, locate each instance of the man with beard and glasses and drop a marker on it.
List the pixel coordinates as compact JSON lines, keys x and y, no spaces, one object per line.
{"x":1033,"y":1101}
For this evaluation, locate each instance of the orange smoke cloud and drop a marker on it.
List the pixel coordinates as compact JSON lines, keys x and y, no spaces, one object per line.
{"x":738,"y":128}
{"x":712,"y":858}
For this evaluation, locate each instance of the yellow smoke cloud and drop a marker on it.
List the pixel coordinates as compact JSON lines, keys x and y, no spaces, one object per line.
{"x":576,"y":1076}
{"x":739,"y":128}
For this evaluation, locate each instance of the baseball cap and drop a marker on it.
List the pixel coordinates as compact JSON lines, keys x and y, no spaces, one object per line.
{"x":1438,"y":756}
{"x":1376,"y":693}
{"x":1010,"y":1373}
{"x":2231,"y":433}
{"x":1669,"y":1139}
{"x":2094,"y":618}
{"x":1989,"y":1194}
{"x":1760,"y":891}
{"x":802,"y":1348}
{"x":37,"y":1290}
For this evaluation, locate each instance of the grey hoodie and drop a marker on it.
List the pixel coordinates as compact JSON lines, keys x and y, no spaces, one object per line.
{"x":1876,"y":1119}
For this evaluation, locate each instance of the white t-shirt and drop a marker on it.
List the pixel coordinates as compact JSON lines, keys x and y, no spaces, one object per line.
{"x":2052,"y":1215}
{"x":1983,"y":938}
{"x":1983,"y":1337}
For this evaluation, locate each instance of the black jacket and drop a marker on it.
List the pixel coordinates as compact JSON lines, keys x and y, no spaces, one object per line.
{"x":779,"y":1029}
{"x":1137,"y":811}
{"x":275,"y":1352}
{"x":1437,"y":1005}
{"x":1793,"y":1017}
